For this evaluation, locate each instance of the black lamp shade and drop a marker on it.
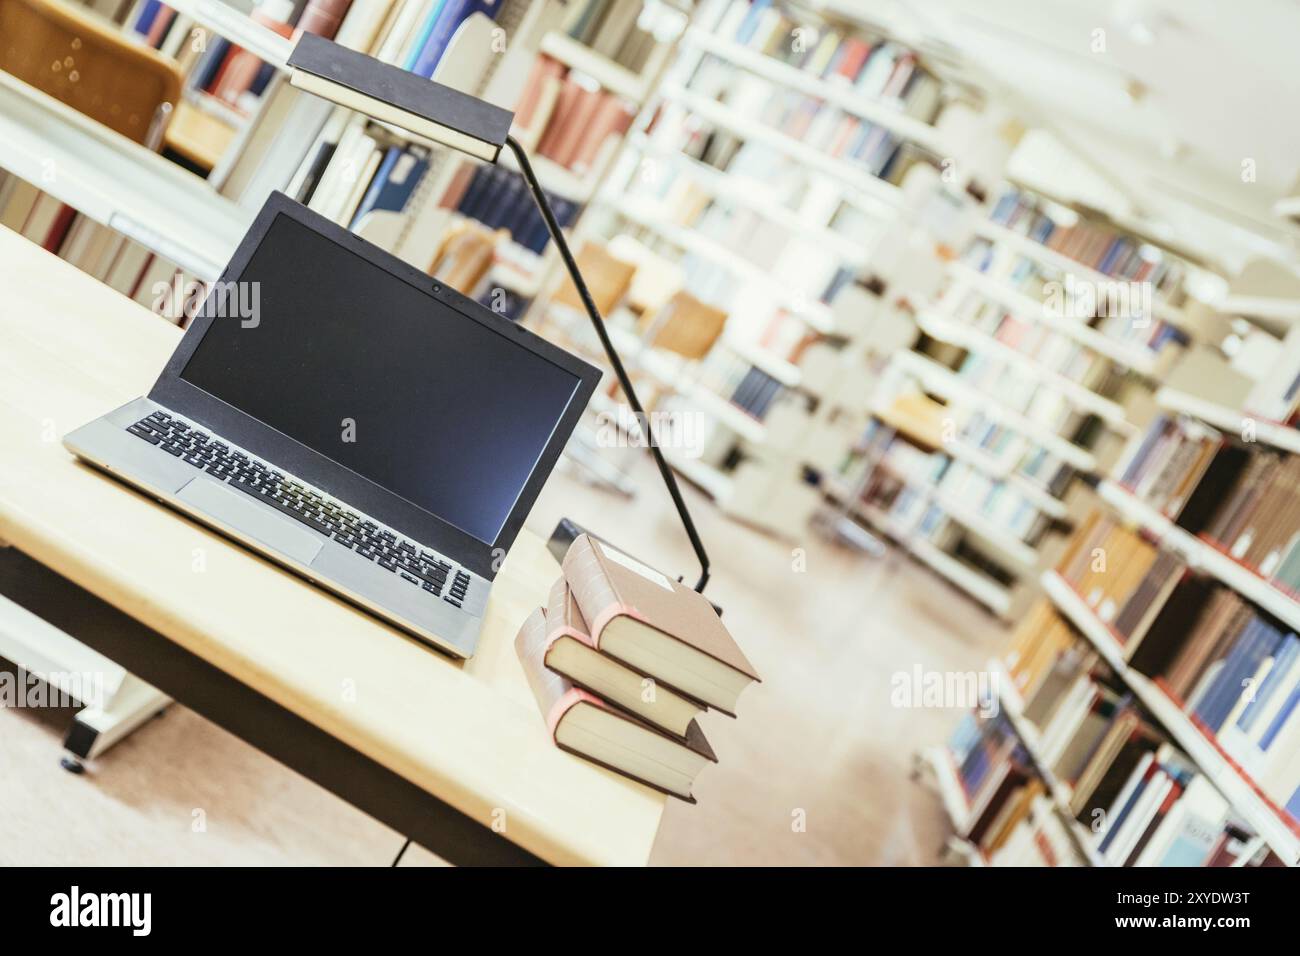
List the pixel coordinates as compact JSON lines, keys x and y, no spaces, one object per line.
{"x":391,"y":95}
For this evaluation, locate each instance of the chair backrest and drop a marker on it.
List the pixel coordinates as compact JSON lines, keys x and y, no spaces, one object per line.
{"x":687,"y":326}
{"x":97,"y":71}
{"x":607,"y":278}
{"x":656,"y":278}
{"x":465,"y":257}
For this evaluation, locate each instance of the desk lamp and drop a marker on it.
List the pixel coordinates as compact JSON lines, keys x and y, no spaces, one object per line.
{"x":451,"y":118}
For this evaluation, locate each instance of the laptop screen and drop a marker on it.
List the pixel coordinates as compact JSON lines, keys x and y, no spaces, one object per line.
{"x":370,"y":372}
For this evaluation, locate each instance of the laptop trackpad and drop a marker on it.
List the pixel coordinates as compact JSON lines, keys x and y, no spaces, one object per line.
{"x":240,"y":513}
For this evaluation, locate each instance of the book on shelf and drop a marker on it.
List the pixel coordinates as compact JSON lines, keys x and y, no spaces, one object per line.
{"x":610,"y":28}
{"x":499,"y":199}
{"x":1010,"y":820}
{"x":585,"y":725}
{"x":1140,"y":801}
{"x":1241,"y":497}
{"x":661,"y":627}
{"x":1099,"y":247}
{"x":395,"y":180}
{"x":566,"y":118}
{"x":95,"y":249}
{"x":1225,"y":662}
{"x":1043,"y":293}
{"x":737,"y":380}
{"x":434,"y":33}
{"x":874,"y":66}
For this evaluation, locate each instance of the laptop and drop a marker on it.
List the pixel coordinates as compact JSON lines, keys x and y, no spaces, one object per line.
{"x":345,"y":415}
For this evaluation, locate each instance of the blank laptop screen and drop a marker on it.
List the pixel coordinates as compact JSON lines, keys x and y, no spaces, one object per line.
{"x":365,"y":369}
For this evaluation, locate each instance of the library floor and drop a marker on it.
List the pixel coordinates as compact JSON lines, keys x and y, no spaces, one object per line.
{"x":817,"y":743}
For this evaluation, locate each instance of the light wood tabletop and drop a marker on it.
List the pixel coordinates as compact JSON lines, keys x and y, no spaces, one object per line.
{"x":468,"y":733}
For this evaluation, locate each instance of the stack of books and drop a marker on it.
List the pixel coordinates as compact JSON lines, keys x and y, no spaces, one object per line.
{"x":623,"y":661}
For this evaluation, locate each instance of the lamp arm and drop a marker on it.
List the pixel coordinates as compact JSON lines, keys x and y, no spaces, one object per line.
{"x":539,"y":197}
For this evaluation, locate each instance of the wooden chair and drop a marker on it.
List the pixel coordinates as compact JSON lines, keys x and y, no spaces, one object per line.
{"x":686,"y":326}
{"x":465,"y":257}
{"x":79,"y":60}
{"x":607,"y":277}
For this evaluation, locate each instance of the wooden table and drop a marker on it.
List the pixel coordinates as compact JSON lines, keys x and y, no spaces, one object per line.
{"x":454,"y":755}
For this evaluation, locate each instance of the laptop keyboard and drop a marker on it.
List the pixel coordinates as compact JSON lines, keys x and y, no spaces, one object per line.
{"x":412,"y":563}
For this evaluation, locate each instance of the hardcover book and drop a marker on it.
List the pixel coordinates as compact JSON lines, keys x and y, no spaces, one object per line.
{"x":582,"y":724}
{"x":656,"y":625}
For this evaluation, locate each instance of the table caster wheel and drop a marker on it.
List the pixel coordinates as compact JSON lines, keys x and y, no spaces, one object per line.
{"x":72,"y":765}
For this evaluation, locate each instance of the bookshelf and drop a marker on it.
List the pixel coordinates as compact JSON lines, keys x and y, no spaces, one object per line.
{"x":1076,"y":248}
{"x":753,"y":194}
{"x":1159,"y":652}
{"x":1280,"y":436}
{"x":837,"y":94}
{"x":945,"y":329}
{"x":1013,"y":706}
{"x":940,"y":380}
{"x":115,"y":182}
{"x":955,"y":805}
{"x":1029,"y":310}
{"x":876,"y":193}
{"x":844,"y":213}
{"x":1201,"y":555}
{"x":998,"y":598}
{"x":609,"y":74}
{"x":993,"y":317}
{"x":645,"y":215}
{"x":236,"y":26}
{"x":1229,"y":780}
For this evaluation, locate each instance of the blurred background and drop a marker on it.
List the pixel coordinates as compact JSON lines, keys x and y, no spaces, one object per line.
{"x":970,"y":327}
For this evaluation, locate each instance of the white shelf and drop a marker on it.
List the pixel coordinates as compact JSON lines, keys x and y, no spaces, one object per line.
{"x":1061,"y":794}
{"x":1237,"y":789}
{"x":787,"y":374}
{"x":951,"y":794}
{"x":1001,"y":539}
{"x":238,"y":27}
{"x":936,"y":378}
{"x":1261,"y":307}
{"x":713,"y":482}
{"x":964,"y":336}
{"x":1062,"y":263}
{"x":639,"y":358}
{"x":1230,"y":420}
{"x":754,"y":195}
{"x":1288,"y":208}
{"x":987,"y":591}
{"x":1138,"y":357}
{"x":993,"y":467}
{"x":843,"y":95}
{"x":614,"y":77}
{"x":646,"y":215}
{"x":1203,"y":556}
{"x":852,"y":174}
{"x":553,"y":177}
{"x":727,"y":414}
{"x":117,"y":182}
